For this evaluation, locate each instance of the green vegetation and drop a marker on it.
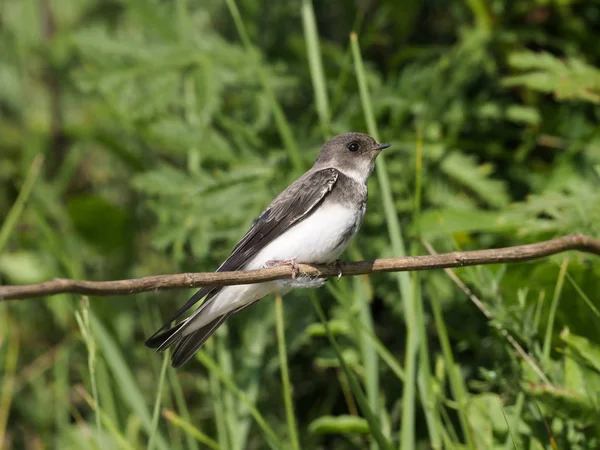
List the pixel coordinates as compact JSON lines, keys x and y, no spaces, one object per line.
{"x":143,"y":137}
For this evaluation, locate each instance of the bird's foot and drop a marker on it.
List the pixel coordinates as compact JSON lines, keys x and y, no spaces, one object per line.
{"x":297,"y":280}
{"x":284,"y":262}
{"x":338,"y":265}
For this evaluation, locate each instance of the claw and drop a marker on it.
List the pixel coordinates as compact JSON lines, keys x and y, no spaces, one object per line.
{"x":338,"y":266}
{"x":295,"y":270}
{"x":284,"y":262}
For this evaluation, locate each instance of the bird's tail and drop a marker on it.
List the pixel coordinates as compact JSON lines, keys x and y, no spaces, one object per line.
{"x":185,"y":344}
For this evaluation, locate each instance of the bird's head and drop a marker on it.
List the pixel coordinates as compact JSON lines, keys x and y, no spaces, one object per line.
{"x":353,"y":154}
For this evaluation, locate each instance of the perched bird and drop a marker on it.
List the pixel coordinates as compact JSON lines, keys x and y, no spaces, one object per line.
{"x":312,"y":221}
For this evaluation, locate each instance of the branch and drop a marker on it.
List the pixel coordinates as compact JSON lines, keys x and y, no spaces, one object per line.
{"x":518,"y":253}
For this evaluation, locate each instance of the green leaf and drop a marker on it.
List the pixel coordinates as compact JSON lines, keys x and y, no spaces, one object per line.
{"x":23,"y":267}
{"x":564,"y":403}
{"x":337,"y":328}
{"x":581,"y":378}
{"x":339,"y":425}
{"x":443,"y":222}
{"x":485,"y":414}
{"x":465,"y":170}
{"x":582,"y":347}
{"x":568,"y":79}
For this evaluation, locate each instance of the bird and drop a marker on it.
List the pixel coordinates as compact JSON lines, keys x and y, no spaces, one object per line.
{"x":312,"y":221}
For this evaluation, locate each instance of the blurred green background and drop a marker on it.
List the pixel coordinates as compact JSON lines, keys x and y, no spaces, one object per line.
{"x":143,"y":137}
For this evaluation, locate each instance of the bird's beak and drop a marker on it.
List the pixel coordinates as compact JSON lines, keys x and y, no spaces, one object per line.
{"x":382,"y":146}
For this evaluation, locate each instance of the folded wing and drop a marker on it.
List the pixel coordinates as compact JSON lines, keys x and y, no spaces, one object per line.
{"x":293,"y":205}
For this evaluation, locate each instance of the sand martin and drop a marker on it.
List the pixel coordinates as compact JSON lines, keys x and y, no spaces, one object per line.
{"x":312,"y":221}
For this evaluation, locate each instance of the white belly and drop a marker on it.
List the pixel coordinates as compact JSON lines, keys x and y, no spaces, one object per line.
{"x":317,"y":239}
{"x":314,"y":240}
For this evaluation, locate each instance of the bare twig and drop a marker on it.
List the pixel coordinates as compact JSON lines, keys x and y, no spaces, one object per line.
{"x":188,"y":280}
{"x":486,"y":312}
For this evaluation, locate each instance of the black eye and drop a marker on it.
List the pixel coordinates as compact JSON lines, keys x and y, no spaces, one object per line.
{"x":352,"y":147}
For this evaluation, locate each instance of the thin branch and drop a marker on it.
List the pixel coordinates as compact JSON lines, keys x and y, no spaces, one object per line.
{"x":518,"y":253}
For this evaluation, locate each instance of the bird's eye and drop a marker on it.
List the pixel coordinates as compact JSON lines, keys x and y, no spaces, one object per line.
{"x":352,"y":147}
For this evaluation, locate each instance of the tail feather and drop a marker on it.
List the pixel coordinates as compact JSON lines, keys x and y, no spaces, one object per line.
{"x":190,"y":344}
{"x":187,"y":344}
{"x":161,"y":340}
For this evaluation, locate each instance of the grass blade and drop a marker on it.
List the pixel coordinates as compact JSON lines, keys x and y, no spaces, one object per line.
{"x":17,"y":209}
{"x":124,"y":378}
{"x":315,"y":64}
{"x":367,"y":350}
{"x":459,"y":391}
{"x":382,"y":351}
{"x":430,"y":404}
{"x":83,"y":321}
{"x":105,"y":390}
{"x":190,"y":430}
{"x":213,"y":367}
{"x":285,"y":378}
{"x":510,"y":435}
{"x":283,"y":126}
{"x":395,"y":233}
{"x":248,"y":370}
{"x":338,"y":95}
{"x":481,"y":14}
{"x":177,"y":392}
{"x":230,"y":408}
{"x":217,"y":400}
{"x":8,"y":379}
{"x":582,"y":294}
{"x":106,"y":420}
{"x":516,"y":420}
{"x":356,"y":389}
{"x":62,"y":416}
{"x":159,"y":390}
{"x":552,"y":314}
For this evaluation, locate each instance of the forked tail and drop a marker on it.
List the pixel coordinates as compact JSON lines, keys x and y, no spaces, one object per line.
{"x":186,"y":344}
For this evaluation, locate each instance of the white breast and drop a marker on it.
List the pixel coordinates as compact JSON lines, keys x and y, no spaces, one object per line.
{"x":317,"y":239}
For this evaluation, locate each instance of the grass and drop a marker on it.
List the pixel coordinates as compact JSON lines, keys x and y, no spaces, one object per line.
{"x":270,"y":435}
{"x":365,"y":330}
{"x":360,"y":396}
{"x":285,"y":377}
{"x":115,"y":122}
{"x":83,"y":320}
{"x":315,"y":65}
{"x":190,"y":430}
{"x":15,"y":212}
{"x":430,"y":403}
{"x":11,"y":341}
{"x":159,"y":393}
{"x":583,"y":295}
{"x":552,"y":314}
{"x":283,"y":126}
{"x":459,"y":390}
{"x":129,"y":389}
{"x":230,"y":418}
{"x":362,"y":298}
{"x":108,"y":422}
{"x":407,"y":438}
{"x":9,"y":371}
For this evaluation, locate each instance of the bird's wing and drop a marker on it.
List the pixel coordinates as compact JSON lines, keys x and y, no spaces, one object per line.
{"x":293,"y":205}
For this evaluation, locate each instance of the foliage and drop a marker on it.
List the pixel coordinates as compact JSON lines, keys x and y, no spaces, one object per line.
{"x":143,"y":137}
